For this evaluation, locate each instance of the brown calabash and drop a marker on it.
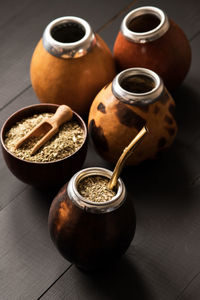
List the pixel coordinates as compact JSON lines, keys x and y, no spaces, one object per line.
{"x":169,"y":55}
{"x":113,"y":124}
{"x":89,"y":239}
{"x":71,"y":81}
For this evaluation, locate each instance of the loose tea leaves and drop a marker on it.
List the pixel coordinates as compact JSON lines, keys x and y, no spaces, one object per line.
{"x":68,"y":140}
{"x":95,"y":188}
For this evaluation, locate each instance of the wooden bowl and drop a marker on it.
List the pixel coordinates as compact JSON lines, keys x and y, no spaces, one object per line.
{"x":48,"y":174}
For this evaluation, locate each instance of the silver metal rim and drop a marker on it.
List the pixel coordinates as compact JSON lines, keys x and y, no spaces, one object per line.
{"x":148,"y":36}
{"x":137,"y":98}
{"x":68,"y":50}
{"x":95,"y":207}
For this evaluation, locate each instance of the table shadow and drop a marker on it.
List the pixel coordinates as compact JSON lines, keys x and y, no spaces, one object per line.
{"x":118,"y":281}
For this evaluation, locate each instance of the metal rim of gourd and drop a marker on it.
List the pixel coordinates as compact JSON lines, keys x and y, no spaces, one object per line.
{"x":148,"y":36}
{"x":95,"y":207}
{"x":139,"y":99}
{"x":67,"y":50}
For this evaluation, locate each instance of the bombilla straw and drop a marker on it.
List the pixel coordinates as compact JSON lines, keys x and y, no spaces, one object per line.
{"x":112,"y":184}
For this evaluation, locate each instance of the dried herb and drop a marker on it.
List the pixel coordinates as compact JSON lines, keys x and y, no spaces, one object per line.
{"x":68,"y":140}
{"x":94,"y":188}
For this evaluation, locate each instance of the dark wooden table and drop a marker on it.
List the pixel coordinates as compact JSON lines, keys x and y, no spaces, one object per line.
{"x":163,"y":261}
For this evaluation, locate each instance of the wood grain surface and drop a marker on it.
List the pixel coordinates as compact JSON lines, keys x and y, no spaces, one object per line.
{"x":163,"y":261}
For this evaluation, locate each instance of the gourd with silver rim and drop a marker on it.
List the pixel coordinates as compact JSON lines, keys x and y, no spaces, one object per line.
{"x":70,"y":64}
{"x":149,"y":39}
{"x":90,"y":234}
{"x":137,"y":97}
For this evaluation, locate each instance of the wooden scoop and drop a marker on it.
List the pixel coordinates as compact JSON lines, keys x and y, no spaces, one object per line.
{"x":112,"y":184}
{"x":47,"y":128}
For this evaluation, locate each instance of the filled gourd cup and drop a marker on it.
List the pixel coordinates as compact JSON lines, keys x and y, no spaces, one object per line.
{"x":56,"y":160}
{"x":90,"y":225}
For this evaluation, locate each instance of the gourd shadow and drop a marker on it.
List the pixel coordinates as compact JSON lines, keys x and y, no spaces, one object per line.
{"x":35,"y":210}
{"x":118,"y":281}
{"x":43,"y":198}
{"x":187,"y":109}
{"x":164,"y":179}
{"x":168,"y":178}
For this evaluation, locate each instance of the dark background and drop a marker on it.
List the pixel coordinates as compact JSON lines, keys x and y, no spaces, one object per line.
{"x":163,"y":261}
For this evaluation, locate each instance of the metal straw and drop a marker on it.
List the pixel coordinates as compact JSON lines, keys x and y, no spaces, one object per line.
{"x":112,"y":184}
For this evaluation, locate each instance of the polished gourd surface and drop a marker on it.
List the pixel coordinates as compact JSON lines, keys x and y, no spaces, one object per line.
{"x":72,"y":81}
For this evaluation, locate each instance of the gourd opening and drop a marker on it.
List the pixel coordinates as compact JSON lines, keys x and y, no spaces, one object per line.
{"x":95,"y":188}
{"x":88,"y":190}
{"x":137,"y":84}
{"x":68,"y":32}
{"x":144,"y":23}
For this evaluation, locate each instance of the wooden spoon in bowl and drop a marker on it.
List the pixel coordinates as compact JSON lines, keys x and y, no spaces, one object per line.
{"x":47,"y":128}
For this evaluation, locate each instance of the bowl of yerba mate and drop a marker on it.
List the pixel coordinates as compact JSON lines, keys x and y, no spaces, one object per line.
{"x":57,"y":160}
